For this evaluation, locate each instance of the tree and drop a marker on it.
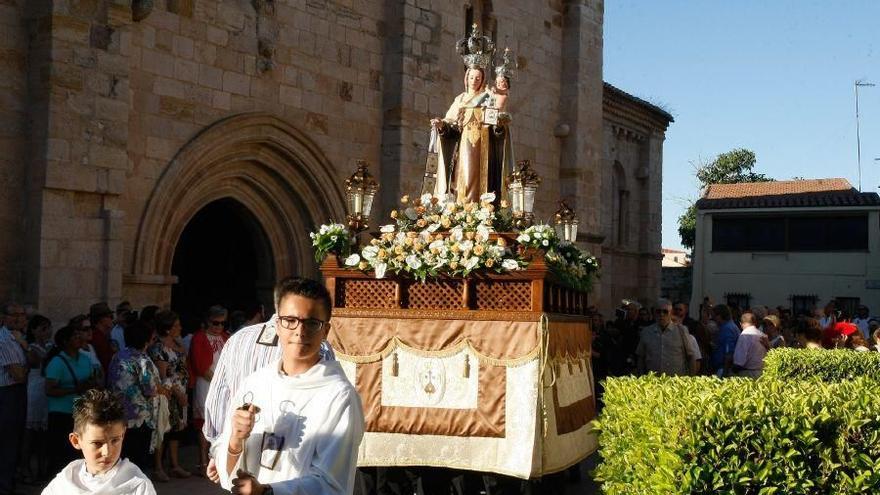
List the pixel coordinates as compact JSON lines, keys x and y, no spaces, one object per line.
{"x":732,"y":167}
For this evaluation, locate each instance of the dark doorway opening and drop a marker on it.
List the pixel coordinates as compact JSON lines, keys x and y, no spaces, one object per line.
{"x":222,"y":257}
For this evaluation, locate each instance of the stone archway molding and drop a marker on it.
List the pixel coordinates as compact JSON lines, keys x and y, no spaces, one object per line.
{"x":257,"y":159}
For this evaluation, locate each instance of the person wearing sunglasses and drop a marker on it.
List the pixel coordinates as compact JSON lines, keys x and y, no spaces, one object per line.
{"x":664,"y":346}
{"x":296,"y":424}
{"x":205,"y":352}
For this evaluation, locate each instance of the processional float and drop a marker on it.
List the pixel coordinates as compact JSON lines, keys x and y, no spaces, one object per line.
{"x":463,"y":324}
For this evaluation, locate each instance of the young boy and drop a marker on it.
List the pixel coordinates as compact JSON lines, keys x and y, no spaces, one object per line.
{"x":98,"y":430}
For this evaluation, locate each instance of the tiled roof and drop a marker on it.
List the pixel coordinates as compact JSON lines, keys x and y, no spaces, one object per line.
{"x":789,"y":193}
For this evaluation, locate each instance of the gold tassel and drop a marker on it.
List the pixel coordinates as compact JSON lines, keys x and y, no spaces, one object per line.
{"x":467,"y":366}
{"x":394,"y":367}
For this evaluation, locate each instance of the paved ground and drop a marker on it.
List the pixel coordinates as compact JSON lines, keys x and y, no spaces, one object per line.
{"x":201,"y":486}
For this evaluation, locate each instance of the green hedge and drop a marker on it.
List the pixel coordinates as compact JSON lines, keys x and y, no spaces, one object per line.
{"x":827,"y":365}
{"x":662,"y":435}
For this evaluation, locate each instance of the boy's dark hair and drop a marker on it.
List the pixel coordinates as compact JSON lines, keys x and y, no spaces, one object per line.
{"x":304,"y":287}
{"x":96,"y":407}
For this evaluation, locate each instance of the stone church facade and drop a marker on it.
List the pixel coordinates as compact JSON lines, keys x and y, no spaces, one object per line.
{"x":142,"y":138}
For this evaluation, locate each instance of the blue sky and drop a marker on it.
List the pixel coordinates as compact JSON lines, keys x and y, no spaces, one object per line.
{"x":773,"y":76}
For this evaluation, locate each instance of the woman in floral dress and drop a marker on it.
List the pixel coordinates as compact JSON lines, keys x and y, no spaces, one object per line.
{"x":136,"y":379}
{"x":170,"y":357}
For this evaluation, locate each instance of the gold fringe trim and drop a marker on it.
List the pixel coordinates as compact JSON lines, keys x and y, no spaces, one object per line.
{"x":396,"y":344}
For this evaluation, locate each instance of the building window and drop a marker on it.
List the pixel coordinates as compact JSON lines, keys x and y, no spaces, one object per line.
{"x":847,"y":305}
{"x":738,"y":300}
{"x":790,"y":233}
{"x":803,"y":305}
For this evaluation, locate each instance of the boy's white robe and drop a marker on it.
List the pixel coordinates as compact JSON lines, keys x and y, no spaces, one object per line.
{"x":320,"y":416}
{"x":124,"y":479}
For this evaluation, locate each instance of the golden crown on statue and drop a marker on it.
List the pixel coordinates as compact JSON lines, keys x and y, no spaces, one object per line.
{"x":477,"y":51}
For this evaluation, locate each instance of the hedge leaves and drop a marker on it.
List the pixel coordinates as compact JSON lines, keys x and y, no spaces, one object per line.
{"x":664,"y":435}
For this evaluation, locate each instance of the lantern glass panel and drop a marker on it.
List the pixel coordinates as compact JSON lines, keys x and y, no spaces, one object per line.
{"x":516,"y":197}
{"x":573,"y":231}
{"x":368,"y":203}
{"x":355,"y":201}
{"x":529,"y":191}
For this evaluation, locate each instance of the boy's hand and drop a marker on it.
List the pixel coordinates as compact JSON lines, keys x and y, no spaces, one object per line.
{"x":243,"y":423}
{"x":246,"y":484}
{"x":211,"y":472}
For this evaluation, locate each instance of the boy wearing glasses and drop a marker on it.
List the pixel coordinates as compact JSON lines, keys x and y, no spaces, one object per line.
{"x":295,"y":425}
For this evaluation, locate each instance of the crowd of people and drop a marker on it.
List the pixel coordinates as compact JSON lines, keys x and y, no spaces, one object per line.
{"x":159,"y":372}
{"x":723,"y":341}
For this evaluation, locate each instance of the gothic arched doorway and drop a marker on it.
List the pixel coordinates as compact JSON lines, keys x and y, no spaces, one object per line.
{"x":223,"y":257}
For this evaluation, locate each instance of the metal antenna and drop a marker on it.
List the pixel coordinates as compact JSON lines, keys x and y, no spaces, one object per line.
{"x":859,"y":84}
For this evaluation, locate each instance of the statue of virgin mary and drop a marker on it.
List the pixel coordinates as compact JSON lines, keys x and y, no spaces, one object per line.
{"x":472,"y":141}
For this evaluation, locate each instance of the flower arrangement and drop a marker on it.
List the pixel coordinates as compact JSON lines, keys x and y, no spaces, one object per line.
{"x":436,"y":236}
{"x":331,"y":238}
{"x":574,"y":267}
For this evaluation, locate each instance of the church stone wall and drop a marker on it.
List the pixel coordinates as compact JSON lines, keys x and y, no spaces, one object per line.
{"x":118,"y":88}
{"x":13,"y":139}
{"x":632,"y":164}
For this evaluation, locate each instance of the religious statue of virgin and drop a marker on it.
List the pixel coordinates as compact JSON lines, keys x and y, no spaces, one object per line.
{"x":472,"y":141}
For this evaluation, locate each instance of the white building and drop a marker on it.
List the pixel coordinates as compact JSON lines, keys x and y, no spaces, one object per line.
{"x":793,"y":244}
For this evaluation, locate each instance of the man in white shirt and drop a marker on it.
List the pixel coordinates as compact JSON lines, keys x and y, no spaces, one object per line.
{"x":296,"y":424}
{"x":751,"y":347}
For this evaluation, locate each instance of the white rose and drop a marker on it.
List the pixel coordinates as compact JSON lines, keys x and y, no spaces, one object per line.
{"x":487,"y":197}
{"x":545,"y":242}
{"x":352,"y":260}
{"x":471,"y":263}
{"x":426,"y":199}
{"x":510,"y":264}
{"x":413,"y":262}
{"x":370,"y":252}
{"x":380,"y":270}
{"x":523,"y":238}
{"x":387,"y":229}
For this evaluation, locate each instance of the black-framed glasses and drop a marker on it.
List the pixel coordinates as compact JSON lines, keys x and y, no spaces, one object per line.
{"x":218,"y":323}
{"x":310,"y":325}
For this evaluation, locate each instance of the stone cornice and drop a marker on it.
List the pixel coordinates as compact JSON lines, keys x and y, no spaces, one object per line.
{"x":635,"y":111}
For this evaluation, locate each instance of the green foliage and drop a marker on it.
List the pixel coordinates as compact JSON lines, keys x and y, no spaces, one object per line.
{"x":727,"y":168}
{"x":686,"y":435}
{"x":687,"y":226}
{"x":730,"y":168}
{"x":830,"y":366}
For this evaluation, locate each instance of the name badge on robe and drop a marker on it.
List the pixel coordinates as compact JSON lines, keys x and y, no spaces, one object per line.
{"x":271,"y":450}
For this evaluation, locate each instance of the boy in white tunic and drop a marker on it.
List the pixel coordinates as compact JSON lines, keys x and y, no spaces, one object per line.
{"x":297,"y":423}
{"x":99,"y":428}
